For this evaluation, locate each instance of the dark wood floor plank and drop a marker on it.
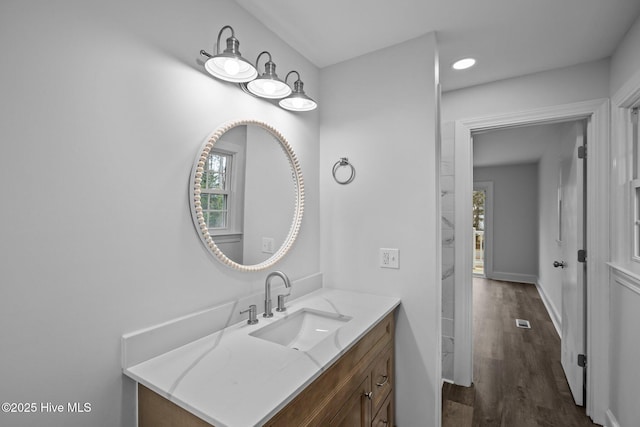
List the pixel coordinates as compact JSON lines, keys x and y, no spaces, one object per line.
{"x":488,"y":384}
{"x":463,"y":395}
{"x":518,"y":377}
{"x":458,"y":414}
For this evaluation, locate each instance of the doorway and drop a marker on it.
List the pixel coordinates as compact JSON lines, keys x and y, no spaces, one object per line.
{"x":478,"y":201}
{"x":597,"y":176}
{"x":534,"y":228}
{"x":482,"y":214}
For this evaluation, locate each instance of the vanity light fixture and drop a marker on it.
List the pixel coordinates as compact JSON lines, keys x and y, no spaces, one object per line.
{"x":298,"y":100}
{"x":268,"y":85}
{"x":229,"y":65}
{"x":463,"y":64}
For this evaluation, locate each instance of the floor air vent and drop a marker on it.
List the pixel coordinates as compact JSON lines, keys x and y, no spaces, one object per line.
{"x":521,"y":323}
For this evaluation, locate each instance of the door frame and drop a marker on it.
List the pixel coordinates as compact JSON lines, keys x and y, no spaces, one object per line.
{"x":598,"y":114}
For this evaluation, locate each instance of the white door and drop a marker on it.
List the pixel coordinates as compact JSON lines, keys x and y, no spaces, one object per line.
{"x":572,"y":237}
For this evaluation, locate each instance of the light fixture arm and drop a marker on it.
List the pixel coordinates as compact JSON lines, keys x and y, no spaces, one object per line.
{"x":297,"y":85}
{"x":269,"y":66}
{"x":267,"y":63}
{"x":232,"y":43}
{"x":291,"y":72}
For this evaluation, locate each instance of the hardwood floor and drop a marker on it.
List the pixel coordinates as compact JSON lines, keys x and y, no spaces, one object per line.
{"x":518,"y":378}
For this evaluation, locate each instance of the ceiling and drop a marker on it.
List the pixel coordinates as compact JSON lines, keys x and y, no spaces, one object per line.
{"x":507,"y":37}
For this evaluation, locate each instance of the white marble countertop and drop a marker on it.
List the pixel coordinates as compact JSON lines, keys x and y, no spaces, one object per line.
{"x":232,"y":379}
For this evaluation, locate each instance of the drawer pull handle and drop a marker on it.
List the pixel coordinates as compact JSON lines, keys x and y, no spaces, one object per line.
{"x":385,"y":381}
{"x":369,"y":395}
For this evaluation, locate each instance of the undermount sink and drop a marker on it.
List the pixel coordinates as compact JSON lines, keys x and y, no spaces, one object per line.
{"x":303,"y":329}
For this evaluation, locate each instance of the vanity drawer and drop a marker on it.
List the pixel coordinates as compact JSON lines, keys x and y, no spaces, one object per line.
{"x":382,"y":378}
{"x":385,"y":416}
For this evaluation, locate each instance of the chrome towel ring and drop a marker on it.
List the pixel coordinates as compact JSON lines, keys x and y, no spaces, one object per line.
{"x":344,"y":162}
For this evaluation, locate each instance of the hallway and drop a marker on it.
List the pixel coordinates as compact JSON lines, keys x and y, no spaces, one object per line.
{"x":518,"y":379}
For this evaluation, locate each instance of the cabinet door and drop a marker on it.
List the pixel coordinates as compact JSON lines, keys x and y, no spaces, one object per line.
{"x":356,"y":412}
{"x":384,"y":417}
{"x":382,"y":378}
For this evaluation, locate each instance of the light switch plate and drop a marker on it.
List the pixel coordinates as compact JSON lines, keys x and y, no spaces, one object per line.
{"x":389,"y":258}
{"x":267,"y":245}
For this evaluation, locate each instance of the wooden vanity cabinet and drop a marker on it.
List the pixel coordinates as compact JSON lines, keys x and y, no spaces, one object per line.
{"x":357,"y":390}
{"x":356,"y":411}
{"x":371,"y":404}
{"x":156,"y":411}
{"x":385,"y":415}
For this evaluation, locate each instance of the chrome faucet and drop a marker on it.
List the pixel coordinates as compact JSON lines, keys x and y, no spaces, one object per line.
{"x":267,"y":293}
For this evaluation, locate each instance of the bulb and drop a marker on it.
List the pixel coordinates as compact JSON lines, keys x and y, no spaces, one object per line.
{"x":269,"y":88}
{"x":231,"y":67}
{"x":297,"y":102}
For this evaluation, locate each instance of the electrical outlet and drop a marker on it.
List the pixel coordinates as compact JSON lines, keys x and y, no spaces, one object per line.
{"x":389,"y":258}
{"x":267,"y":245}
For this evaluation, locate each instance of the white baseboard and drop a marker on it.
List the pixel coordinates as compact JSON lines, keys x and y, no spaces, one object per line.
{"x":551,"y":309}
{"x":513,"y":277}
{"x":611,"y":419}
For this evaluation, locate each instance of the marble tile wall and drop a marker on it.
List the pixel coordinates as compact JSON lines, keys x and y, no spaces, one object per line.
{"x":447,"y":181}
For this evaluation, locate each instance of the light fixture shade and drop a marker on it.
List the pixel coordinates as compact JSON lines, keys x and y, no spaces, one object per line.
{"x":298,"y":100}
{"x":229,"y":65}
{"x":268,"y":85}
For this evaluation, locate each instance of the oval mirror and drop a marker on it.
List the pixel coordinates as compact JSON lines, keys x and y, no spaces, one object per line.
{"x":247,"y":195}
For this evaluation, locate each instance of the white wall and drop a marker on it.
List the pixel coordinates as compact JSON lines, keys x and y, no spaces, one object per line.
{"x":515,"y":219}
{"x":625,"y":350}
{"x":104,"y":107}
{"x":389,"y":135}
{"x":271,"y":195}
{"x":556,"y":87}
{"x":625,"y":62}
{"x":624,"y":286}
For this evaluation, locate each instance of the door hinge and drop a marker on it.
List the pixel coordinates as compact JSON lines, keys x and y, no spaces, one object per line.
{"x":582,"y":360}
{"x":582,"y":255}
{"x":582,"y":152}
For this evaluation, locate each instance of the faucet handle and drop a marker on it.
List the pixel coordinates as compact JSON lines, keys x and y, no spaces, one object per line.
{"x":281,"y":306}
{"x":253,"y":314}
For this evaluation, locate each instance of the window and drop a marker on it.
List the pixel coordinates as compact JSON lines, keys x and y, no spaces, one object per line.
{"x":635,"y":183}
{"x":215,"y":194}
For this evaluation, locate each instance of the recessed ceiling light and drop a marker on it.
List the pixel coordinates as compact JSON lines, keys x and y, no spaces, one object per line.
{"x":463,"y":64}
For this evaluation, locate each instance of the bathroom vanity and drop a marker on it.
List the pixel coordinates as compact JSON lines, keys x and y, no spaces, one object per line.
{"x":354,"y":391}
{"x":327,"y":361}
